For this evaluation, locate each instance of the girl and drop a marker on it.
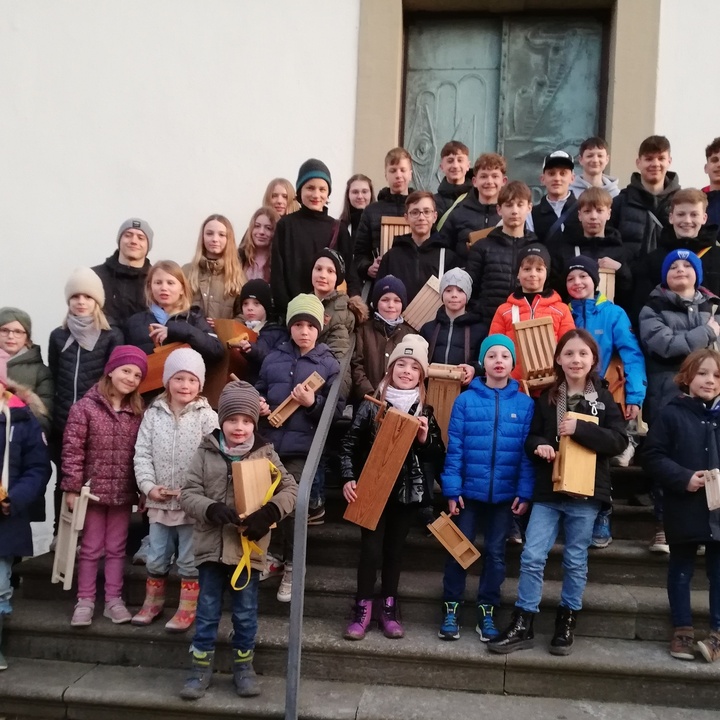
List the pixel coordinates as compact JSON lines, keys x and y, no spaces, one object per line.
{"x":683,"y":443}
{"x":359,"y":194}
{"x":169,"y":317}
{"x":254,"y":252}
{"x":214,"y":275}
{"x":169,"y":435}
{"x":98,"y":450}
{"x":403,"y":388}
{"x":577,"y":388}
{"x":280,"y":196}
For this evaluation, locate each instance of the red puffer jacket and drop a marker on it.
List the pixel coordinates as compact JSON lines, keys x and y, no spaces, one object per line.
{"x":99,"y":445}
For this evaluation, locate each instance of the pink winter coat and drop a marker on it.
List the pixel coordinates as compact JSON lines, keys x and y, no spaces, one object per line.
{"x":99,"y":445}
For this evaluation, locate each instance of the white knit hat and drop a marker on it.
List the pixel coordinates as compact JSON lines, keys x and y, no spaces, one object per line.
{"x":184,"y":360}
{"x":85,"y":281}
{"x":412,"y":346}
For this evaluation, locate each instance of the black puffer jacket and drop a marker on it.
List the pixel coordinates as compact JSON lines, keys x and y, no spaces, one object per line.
{"x":468,"y":216}
{"x":75,"y":371}
{"x":544,"y":217}
{"x":453,"y":342}
{"x":124,"y":288}
{"x":447,"y":193}
{"x":367,"y":238}
{"x":631,"y":214}
{"x":492,"y":265}
{"x":685,"y":438}
{"x":416,"y":475}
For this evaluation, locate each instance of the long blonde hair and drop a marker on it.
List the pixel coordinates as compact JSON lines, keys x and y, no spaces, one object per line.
{"x":99,"y":320}
{"x":232,"y":272}
{"x":247,"y":246}
{"x":292,"y":203}
{"x":171,"y":268}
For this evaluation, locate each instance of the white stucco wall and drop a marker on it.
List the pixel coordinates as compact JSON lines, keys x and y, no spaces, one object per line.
{"x":165,"y":109}
{"x":688,"y":103}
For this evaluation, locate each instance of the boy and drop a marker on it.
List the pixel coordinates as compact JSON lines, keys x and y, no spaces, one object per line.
{"x":216,"y":538}
{"x":531,"y":299}
{"x":478,"y":210}
{"x":594,"y":157}
{"x":391,"y":201}
{"x":455,"y":167}
{"x":415,"y":257}
{"x":488,"y":478}
{"x":558,"y":208}
{"x":712,"y":168}
{"x":640,"y":211}
{"x":492,"y":262}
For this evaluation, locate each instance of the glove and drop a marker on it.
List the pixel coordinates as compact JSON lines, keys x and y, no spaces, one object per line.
{"x":220,"y":514}
{"x":257,"y":524}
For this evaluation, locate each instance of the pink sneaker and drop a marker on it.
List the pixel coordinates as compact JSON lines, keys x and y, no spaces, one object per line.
{"x":115,"y":610}
{"x":83,"y":613}
{"x":389,"y":623}
{"x":361,"y":620}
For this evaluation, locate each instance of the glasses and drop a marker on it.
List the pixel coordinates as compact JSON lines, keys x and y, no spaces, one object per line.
{"x":417,"y":213}
{"x":7,"y":332}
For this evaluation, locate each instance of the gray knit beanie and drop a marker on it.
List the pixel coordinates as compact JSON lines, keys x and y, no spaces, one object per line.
{"x":137,"y":224}
{"x":239,"y":397}
{"x":459,"y":278}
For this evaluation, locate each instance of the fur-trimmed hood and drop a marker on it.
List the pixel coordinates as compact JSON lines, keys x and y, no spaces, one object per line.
{"x":29,"y":398}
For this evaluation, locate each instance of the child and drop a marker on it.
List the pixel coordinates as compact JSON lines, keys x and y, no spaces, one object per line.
{"x":377,"y":338}
{"x":641,"y":209}
{"x":680,"y":448}
{"x":391,"y":202}
{"x":492,"y":263}
{"x":359,"y":194}
{"x":421,"y":253}
{"x":531,"y":300}
{"x":579,"y":389}
{"x":488,"y":478}
{"x":301,"y":236}
{"x":254,"y":252}
{"x":169,"y":435}
{"x":454,"y":336}
{"x":479,"y":208}
{"x":207,"y":497}
{"x":281,"y":197}
{"x":26,"y":471}
{"x":402,"y":388}
{"x":98,"y":450}
{"x":712,"y":168}
{"x":215,"y":275}
{"x":594,"y":157}
{"x":455,"y":168}
{"x":170,"y":316}
{"x":283,"y":373}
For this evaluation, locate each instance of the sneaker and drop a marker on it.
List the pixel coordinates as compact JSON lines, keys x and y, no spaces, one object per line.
{"x":625,"y":457}
{"x":273,"y":566}
{"x":601,"y":536}
{"x":83,"y":613}
{"x":284,"y":593}
{"x":660,"y":543}
{"x":450,"y":628}
{"x":316,"y":516}
{"x":681,"y":645}
{"x":117,"y":612}
{"x":710,"y":646}
{"x":701,"y":551}
{"x":485,"y":627}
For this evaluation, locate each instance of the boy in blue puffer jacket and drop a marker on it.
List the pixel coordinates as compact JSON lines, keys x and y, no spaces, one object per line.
{"x":487,"y":478}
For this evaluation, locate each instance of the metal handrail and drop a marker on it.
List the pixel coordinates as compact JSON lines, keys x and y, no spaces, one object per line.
{"x":297,"y":600}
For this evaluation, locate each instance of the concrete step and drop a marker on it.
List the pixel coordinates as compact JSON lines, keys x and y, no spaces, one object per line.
{"x":96,"y":692}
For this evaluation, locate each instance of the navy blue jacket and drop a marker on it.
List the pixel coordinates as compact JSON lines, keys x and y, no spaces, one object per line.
{"x":454,"y":342}
{"x":486,"y":459}
{"x":271,"y":336}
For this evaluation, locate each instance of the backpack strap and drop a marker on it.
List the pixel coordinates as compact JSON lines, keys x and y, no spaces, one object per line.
{"x":560,"y":221}
{"x":446,"y":214}
{"x":442,"y":263}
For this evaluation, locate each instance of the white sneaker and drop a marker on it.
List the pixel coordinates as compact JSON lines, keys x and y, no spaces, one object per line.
{"x":284,"y":593}
{"x":626,"y":456}
{"x":273,"y":566}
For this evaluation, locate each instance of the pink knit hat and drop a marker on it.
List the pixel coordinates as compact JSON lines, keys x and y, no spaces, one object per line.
{"x":126,"y":355}
{"x":4,"y":357}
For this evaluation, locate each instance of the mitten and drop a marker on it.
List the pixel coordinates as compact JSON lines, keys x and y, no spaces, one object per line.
{"x":220,"y":514}
{"x":258,"y":524}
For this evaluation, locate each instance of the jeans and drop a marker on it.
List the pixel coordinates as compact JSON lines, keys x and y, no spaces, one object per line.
{"x":680,"y":573}
{"x":577,"y":518}
{"x":317,"y":491}
{"x":286,"y":527}
{"x":6,"y":590}
{"x":214,"y":578}
{"x":169,"y":540}
{"x":495,"y":521}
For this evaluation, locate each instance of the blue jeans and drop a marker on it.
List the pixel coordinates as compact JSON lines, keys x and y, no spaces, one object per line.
{"x":214,"y":578}
{"x":317,"y":490}
{"x":495,"y":521}
{"x":577,"y":518}
{"x":169,"y":540}
{"x":6,"y":590}
{"x":680,"y":573}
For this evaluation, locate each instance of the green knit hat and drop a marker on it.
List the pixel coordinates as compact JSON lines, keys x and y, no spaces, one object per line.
{"x":306,"y":307}
{"x":10,"y":314}
{"x":491,"y":341}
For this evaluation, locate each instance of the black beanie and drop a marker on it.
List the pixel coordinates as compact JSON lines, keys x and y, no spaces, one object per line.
{"x":588,"y":265}
{"x":310,"y":169}
{"x":389,"y":284}
{"x":534,"y":250}
{"x":258,"y":290}
{"x":337,"y":261}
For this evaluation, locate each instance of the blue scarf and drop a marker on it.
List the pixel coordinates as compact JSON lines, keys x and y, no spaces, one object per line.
{"x":160,"y":315}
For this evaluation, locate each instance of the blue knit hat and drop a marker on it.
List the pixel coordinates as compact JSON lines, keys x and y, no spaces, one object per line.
{"x":310,"y":169}
{"x":682,"y":254}
{"x":491,"y":341}
{"x":389,"y":284}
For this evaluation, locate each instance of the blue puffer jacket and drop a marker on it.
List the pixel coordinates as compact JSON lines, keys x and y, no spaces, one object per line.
{"x":610,"y":326}
{"x":281,"y":371}
{"x":271,"y":335}
{"x":485,"y":458}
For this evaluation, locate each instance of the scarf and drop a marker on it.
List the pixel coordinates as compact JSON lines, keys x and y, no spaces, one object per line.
{"x":255,"y":325}
{"x":403,"y":400}
{"x":239,"y":451}
{"x":390,"y":323}
{"x":590,"y":394}
{"x":160,"y":315}
{"x":214,"y":267}
{"x":83,"y":331}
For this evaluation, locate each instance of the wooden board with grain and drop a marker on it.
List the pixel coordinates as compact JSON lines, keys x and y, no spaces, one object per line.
{"x":712,"y":488}
{"x":574,"y":465}
{"x":454,"y":540}
{"x":390,"y":228}
{"x":536,"y":346}
{"x":607,"y":283}
{"x":424,"y":305}
{"x":444,"y":384}
{"x":288,"y":406}
{"x":156,"y":364}
{"x":251,"y":481}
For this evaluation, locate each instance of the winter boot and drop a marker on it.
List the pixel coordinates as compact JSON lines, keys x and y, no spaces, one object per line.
{"x":361,"y":620}
{"x":244,"y":677}
{"x":564,"y":635}
{"x":517,"y":636}
{"x":200,"y":677}
{"x":185,"y":615}
{"x":154,"y":601}
{"x":3,"y":661}
{"x":389,"y":622}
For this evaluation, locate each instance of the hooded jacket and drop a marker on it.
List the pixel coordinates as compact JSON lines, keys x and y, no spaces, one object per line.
{"x":272,"y":334}
{"x":579,"y":185}
{"x":468,"y":216}
{"x":544,"y":218}
{"x":210,"y":296}
{"x":27,"y":369}
{"x":454,"y":342}
{"x":124,"y":288}
{"x":447,"y":193}
{"x":341,"y":315}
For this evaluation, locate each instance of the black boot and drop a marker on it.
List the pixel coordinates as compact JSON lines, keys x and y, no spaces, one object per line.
{"x":201,"y":670}
{"x":564,"y":636}
{"x":517,"y":636}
